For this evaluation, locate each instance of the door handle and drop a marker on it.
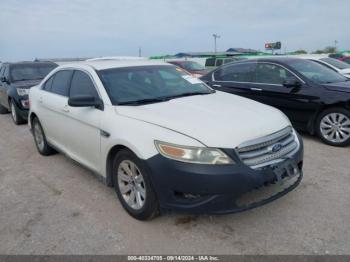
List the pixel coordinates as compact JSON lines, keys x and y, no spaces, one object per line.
{"x":255,"y":89}
{"x":65,"y":109}
{"x":217,"y":85}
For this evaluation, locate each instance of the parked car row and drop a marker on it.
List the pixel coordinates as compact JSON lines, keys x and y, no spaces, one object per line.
{"x":334,"y":64}
{"x":345,"y":58}
{"x":194,"y":68}
{"x":166,"y":140}
{"x":15,"y":81}
{"x":314,"y":97}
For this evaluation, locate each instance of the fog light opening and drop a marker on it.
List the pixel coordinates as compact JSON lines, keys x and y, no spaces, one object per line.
{"x":186,"y":196}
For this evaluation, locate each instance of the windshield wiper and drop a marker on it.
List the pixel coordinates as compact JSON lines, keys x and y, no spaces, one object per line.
{"x":191,"y":94}
{"x":144,"y":101}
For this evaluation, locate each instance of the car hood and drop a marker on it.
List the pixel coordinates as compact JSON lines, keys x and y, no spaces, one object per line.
{"x":200,"y":72}
{"x":216,"y":120}
{"x":25,"y":83}
{"x":341,"y":86}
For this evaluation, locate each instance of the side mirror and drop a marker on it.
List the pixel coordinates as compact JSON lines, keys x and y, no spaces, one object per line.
{"x":4,"y":79}
{"x":291,"y":82}
{"x":85,"y":101}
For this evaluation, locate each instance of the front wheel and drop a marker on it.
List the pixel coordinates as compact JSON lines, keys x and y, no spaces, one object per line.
{"x":40,"y":140}
{"x":333,"y":126}
{"x":133,"y":187}
{"x":17,"y":119}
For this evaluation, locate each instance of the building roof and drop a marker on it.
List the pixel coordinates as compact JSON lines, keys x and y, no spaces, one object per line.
{"x":206,"y":54}
{"x":242,"y":50}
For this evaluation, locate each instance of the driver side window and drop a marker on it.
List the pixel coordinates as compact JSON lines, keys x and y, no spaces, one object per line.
{"x":272,"y":74}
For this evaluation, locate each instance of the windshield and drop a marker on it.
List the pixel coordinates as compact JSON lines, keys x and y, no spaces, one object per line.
{"x":193,"y":66}
{"x":336,"y":63}
{"x":149,"y":84}
{"x":316,"y":72}
{"x":30,"y":71}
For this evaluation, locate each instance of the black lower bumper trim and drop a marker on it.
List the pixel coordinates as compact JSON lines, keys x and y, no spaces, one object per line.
{"x":211,"y":189}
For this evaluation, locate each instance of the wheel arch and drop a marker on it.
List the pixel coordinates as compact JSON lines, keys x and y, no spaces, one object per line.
{"x":109,"y":162}
{"x":313,"y":120}
{"x":31,"y":118}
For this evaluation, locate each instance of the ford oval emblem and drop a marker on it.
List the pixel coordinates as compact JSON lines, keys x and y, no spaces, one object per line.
{"x":276,"y":147}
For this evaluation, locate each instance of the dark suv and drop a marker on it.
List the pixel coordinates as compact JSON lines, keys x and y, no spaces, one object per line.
{"x":314,"y":97}
{"x":15,"y":81}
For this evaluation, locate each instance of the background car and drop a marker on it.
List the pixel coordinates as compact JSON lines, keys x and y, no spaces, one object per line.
{"x":334,"y":64}
{"x":194,"y":68}
{"x":214,"y":62}
{"x":157,"y":135}
{"x":314,"y":97}
{"x":345,"y":59}
{"x":15,"y":81}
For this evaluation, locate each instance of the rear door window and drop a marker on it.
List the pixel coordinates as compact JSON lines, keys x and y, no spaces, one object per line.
{"x":61,"y":82}
{"x":236,"y":73}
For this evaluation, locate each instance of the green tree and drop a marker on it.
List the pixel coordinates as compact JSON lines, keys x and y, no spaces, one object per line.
{"x":326,"y":50}
{"x":330,"y":49}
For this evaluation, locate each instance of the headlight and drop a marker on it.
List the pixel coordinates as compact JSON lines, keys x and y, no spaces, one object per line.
{"x":22,"y":91}
{"x":197,"y":155}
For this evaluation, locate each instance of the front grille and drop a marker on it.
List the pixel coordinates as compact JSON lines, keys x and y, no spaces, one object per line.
{"x":263,"y":151}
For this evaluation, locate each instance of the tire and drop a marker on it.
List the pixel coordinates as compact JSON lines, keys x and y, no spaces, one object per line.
{"x":333,"y":126}
{"x":3,"y":110}
{"x":40,"y":139}
{"x":17,"y":119}
{"x":133,"y":186}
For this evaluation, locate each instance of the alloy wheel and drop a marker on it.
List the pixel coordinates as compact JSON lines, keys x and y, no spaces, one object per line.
{"x":131,"y":184}
{"x":39,"y":136}
{"x":335,"y":127}
{"x":13,"y":112}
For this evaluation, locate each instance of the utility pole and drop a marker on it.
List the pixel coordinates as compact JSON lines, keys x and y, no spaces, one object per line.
{"x":215,"y":37}
{"x":140,"y":51}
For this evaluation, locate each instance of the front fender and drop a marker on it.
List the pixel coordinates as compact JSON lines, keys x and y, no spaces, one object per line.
{"x":138,"y":136}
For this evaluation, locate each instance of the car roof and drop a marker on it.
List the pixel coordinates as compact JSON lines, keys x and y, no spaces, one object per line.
{"x":279,"y":59}
{"x":108,"y":64}
{"x":31,"y":63}
{"x":178,"y":61}
{"x":311,"y":57}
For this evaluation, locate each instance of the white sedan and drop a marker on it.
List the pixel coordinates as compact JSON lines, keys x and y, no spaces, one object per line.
{"x":165,"y":140}
{"x":334,"y":64}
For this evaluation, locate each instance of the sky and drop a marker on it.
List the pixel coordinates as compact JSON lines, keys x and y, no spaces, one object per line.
{"x":82,"y":28}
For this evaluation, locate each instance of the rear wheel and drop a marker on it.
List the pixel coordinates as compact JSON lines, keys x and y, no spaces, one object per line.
{"x":17,"y":119}
{"x":333,"y":126}
{"x":40,"y":140}
{"x":133,"y":186}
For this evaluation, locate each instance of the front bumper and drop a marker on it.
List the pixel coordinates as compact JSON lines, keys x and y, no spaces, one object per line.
{"x":23,"y":112}
{"x":220,"y":189}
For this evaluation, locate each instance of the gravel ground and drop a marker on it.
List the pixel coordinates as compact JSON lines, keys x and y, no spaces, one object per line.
{"x":50,"y":205}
